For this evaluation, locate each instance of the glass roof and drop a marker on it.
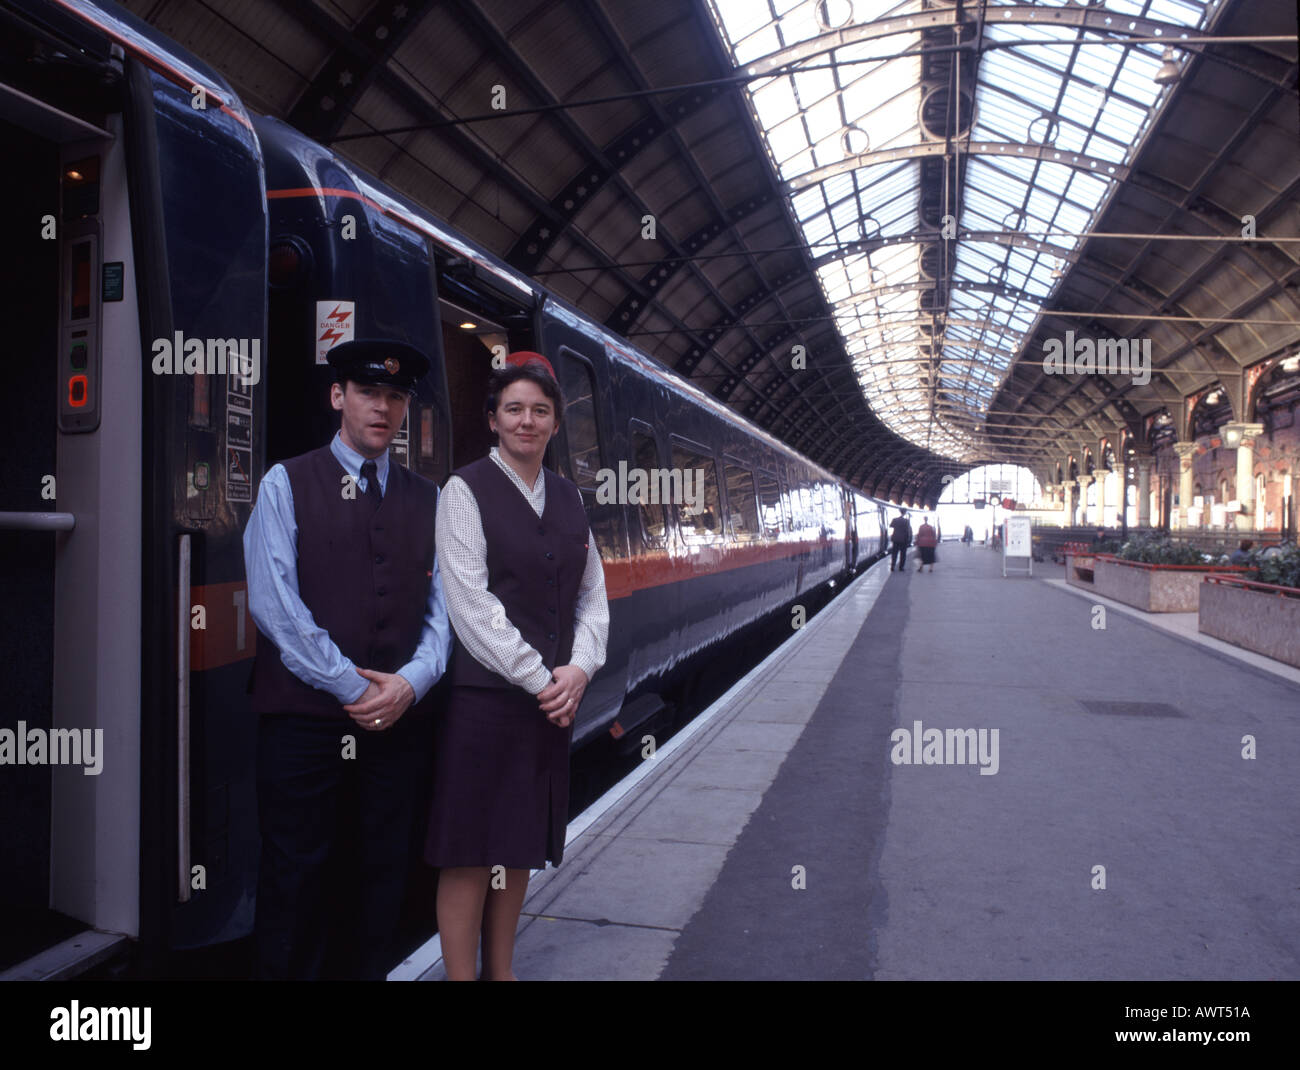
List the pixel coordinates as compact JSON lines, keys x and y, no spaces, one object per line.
{"x":931,"y":373}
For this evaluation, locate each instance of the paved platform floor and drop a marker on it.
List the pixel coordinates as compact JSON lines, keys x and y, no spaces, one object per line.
{"x":1123,"y":835}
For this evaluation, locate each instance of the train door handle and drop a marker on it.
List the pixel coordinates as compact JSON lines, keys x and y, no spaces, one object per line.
{"x":19,"y":521}
{"x":183,"y":595}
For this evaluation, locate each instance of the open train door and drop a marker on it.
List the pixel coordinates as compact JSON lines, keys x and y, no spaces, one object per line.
{"x":139,"y":231}
{"x":70,"y":535}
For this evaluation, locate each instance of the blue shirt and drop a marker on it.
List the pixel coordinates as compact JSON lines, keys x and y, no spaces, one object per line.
{"x":271,"y":562}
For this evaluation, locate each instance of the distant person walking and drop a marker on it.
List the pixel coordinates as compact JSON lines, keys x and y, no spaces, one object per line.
{"x":926,"y":540}
{"x":899,"y":540}
{"x":968,"y":536}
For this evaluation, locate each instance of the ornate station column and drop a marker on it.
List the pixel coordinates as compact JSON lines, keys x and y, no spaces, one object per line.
{"x":1143,"y":462}
{"x":1185,"y":451}
{"x":1067,"y":517}
{"x":1100,"y":475}
{"x":1243,"y":436}
{"x":1084,"y":480}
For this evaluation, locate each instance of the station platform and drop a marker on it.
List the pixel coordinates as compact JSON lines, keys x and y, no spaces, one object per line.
{"x":1111,"y":829}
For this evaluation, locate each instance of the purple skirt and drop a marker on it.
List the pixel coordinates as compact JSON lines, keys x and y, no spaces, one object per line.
{"x":927,"y":555}
{"x":500,"y":782}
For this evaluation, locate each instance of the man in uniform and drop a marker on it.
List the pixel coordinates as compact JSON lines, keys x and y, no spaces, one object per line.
{"x":344,"y":587}
{"x":900,"y":539}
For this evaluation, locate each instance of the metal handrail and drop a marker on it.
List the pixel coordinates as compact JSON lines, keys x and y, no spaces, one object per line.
{"x":1236,"y":581}
{"x":20,"y":521}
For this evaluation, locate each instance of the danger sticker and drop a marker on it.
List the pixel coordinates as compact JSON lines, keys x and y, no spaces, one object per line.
{"x":239,"y":463}
{"x":335,"y":321}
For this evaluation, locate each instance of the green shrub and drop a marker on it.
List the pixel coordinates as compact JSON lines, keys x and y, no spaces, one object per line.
{"x":1153,"y":551}
{"x":1282,"y":569}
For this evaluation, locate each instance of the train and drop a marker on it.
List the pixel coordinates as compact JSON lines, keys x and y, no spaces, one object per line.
{"x":179,"y":269}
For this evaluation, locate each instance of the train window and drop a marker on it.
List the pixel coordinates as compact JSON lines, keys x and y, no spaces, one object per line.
{"x":580,"y":419}
{"x":701,"y":493}
{"x":805,"y":510}
{"x":646,"y":457}
{"x":832,"y":504}
{"x":200,"y":400}
{"x":742,"y":519}
{"x":787,"y":506}
{"x":769,"y":504}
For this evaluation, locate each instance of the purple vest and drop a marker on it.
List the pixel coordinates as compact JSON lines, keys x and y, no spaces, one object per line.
{"x":534,"y":564}
{"x":364,"y":575}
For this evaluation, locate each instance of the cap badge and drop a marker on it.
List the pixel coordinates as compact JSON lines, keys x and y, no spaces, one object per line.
{"x":392,"y":365}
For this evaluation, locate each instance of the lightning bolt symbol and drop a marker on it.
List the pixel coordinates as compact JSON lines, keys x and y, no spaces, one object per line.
{"x":331,"y":336}
{"x":337,"y":315}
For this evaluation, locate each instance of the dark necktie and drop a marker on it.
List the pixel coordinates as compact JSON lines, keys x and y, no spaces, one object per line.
{"x":370,"y":473}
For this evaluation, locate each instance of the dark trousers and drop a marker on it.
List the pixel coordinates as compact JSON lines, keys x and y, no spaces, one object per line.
{"x":309,"y":791}
{"x":897,"y":555}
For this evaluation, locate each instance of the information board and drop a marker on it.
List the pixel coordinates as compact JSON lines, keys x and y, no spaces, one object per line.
{"x":1018,"y":546}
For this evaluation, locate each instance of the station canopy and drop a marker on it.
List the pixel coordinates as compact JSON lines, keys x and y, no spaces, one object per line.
{"x":1037,"y":133}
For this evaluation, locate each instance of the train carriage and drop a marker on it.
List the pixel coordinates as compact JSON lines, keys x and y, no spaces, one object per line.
{"x":181,"y":270}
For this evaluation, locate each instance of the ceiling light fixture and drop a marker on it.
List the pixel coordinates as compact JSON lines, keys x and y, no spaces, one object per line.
{"x":1169,"y":71}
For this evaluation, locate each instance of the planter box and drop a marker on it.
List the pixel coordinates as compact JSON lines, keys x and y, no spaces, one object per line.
{"x":1153,"y":588}
{"x":1079,"y":569}
{"x":1256,"y":616}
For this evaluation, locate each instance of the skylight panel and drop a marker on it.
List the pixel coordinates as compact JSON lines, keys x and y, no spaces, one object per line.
{"x":787,"y":140}
{"x":976,"y":259}
{"x":1097,"y":65}
{"x":817,"y":229}
{"x":808,"y":202}
{"x":774,"y":102}
{"x":880,"y":184}
{"x":1125,"y":7}
{"x":813,"y":86}
{"x":1042,"y":207}
{"x":1072,"y":219}
{"x":1086,"y":188}
{"x":1105,"y":146}
{"x":824,"y":119}
{"x":880,"y":82}
{"x":838,"y":187}
{"x":764,"y":42}
{"x":742,"y":17}
{"x":1137,"y":76}
{"x":1080,"y":104}
{"x":1070,"y":137}
{"x":1176,"y":11}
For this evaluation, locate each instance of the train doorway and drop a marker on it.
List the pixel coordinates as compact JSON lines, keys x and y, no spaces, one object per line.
{"x":70,"y":542}
{"x":469,"y":342}
{"x":28,"y":454}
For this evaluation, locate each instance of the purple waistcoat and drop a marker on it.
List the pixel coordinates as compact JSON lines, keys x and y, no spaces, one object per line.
{"x":534,"y":564}
{"x":364,"y":574}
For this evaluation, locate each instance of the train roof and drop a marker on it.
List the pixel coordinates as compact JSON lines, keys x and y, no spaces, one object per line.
{"x":157,"y":52}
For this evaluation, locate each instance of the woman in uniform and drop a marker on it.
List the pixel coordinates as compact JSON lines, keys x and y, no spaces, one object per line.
{"x":525,"y":592}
